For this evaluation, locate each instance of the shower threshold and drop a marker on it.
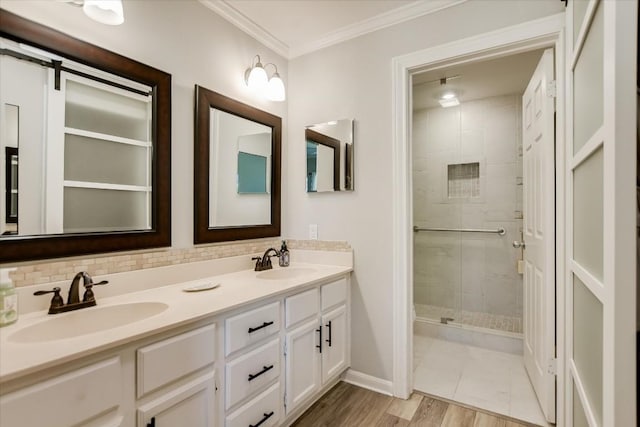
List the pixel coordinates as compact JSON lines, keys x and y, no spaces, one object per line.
{"x":475,"y":319}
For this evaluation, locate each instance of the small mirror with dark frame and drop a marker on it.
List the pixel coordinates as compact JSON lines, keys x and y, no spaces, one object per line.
{"x":236,"y":170}
{"x":329,"y":156}
{"x":95,"y":175}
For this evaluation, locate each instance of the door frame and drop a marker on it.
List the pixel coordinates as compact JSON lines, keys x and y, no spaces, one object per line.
{"x":536,"y":34}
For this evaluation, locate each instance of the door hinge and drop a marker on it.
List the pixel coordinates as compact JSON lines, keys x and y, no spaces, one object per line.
{"x":284,"y":348}
{"x":552,"y":90}
{"x":552,"y":366}
{"x":285,"y":401}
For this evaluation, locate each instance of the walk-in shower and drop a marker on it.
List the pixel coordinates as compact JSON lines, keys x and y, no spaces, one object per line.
{"x":467,"y":211}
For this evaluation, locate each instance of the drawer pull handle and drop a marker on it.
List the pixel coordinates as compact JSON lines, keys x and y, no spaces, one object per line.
{"x":319,"y":346}
{"x":329,"y":326}
{"x":152,"y":423}
{"x":257,"y":328}
{"x":265,"y":418}
{"x":264,"y":369}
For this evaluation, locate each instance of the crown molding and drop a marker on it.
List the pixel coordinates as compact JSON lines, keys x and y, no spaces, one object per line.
{"x":378,"y":22}
{"x":393,"y":17}
{"x":228,"y":12}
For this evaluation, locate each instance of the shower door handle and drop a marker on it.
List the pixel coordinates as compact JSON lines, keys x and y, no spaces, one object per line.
{"x":518,"y":245}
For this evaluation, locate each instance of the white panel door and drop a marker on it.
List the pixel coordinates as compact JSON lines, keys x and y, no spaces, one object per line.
{"x":538,"y":140}
{"x":334,"y":347}
{"x":600,"y":284}
{"x":302,"y":363}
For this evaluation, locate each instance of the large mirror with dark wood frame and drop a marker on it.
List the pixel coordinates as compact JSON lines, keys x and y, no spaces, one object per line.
{"x":237,"y":170}
{"x":86,"y":141}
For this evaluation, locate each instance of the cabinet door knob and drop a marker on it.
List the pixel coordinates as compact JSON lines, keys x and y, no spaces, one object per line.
{"x":518,"y":245}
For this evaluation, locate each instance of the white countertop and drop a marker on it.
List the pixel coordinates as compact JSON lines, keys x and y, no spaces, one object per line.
{"x":236,"y":289}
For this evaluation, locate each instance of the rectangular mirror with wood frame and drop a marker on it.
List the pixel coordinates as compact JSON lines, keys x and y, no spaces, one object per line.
{"x":329,"y":156}
{"x":236,"y":170}
{"x":93,"y":133}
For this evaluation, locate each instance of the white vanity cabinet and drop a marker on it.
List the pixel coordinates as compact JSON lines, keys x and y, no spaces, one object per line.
{"x":317,"y":340}
{"x":260,"y":363}
{"x":167,"y":380}
{"x":91,"y":395}
{"x":189,"y":405}
{"x":166,"y":362}
{"x":252,"y":370}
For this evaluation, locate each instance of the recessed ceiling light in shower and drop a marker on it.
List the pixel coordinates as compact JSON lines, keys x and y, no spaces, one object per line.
{"x":448,"y":96}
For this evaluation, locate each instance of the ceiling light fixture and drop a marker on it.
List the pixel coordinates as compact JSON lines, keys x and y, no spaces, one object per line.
{"x":449,"y":97}
{"x":256,"y":79}
{"x":109,"y":12}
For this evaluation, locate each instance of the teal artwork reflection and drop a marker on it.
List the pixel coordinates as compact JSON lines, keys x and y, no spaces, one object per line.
{"x":252,"y":173}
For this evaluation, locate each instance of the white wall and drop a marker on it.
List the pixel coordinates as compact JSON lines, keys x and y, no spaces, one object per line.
{"x":353,"y":79}
{"x":473,"y":272}
{"x":29,"y":97}
{"x":324,"y":168}
{"x":231,"y":134}
{"x":187,"y":40}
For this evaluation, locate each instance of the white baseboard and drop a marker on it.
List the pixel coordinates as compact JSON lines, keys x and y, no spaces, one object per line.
{"x":368,"y":381}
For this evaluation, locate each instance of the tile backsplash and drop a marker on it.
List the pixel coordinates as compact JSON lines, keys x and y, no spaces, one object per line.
{"x":57,"y":270}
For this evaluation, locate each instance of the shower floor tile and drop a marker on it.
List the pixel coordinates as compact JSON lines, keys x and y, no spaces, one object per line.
{"x":478,"y":377}
{"x":471,"y":318}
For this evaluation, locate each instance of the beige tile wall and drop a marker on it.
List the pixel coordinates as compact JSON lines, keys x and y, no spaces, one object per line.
{"x":46,"y":272}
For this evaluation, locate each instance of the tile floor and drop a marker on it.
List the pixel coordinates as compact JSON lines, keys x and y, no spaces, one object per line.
{"x":471,"y":318}
{"x":474,"y":376}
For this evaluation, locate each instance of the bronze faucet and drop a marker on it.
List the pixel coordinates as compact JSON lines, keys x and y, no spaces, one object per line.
{"x":264,"y":262}
{"x":73,"y":300}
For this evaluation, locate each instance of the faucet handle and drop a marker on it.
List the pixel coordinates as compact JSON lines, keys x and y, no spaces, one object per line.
{"x":56,"y":301}
{"x":88,"y":293}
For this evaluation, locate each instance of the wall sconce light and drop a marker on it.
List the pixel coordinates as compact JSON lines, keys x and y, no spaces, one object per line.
{"x":257,"y":80}
{"x":108,"y":12}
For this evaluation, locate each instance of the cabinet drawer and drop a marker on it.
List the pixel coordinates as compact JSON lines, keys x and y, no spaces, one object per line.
{"x":70,"y":399}
{"x":168,"y":360}
{"x":191,"y":405}
{"x":264,"y":410}
{"x":251,"y":327}
{"x":251,"y":372}
{"x":334,"y":293}
{"x":301,"y":307}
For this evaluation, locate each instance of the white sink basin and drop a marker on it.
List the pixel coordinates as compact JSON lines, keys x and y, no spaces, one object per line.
{"x":285,"y":273}
{"x":87,"y":321}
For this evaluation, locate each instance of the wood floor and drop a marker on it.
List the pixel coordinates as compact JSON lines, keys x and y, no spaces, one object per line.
{"x":348,"y":405}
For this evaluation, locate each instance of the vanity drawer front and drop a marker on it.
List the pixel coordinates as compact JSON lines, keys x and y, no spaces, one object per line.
{"x":265,"y":407}
{"x":334,"y":293}
{"x":251,"y":327}
{"x":69,"y":399}
{"x":173,"y":358}
{"x":301,"y":307}
{"x":251,"y":372}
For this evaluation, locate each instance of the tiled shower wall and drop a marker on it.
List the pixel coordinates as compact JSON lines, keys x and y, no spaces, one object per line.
{"x":468,"y":271}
